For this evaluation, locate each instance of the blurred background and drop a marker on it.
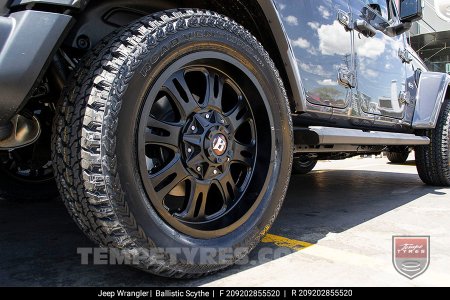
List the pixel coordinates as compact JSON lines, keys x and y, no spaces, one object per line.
{"x":430,"y":37}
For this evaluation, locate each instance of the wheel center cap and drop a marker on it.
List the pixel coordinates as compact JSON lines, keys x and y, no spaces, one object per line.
{"x":219,"y":144}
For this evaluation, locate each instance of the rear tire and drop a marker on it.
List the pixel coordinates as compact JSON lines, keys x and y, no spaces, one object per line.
{"x":149,"y":157}
{"x":397,"y":157}
{"x":433,"y":161}
{"x":302,"y":165}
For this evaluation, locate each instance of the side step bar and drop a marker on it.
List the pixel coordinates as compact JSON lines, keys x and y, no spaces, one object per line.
{"x":314,"y":136}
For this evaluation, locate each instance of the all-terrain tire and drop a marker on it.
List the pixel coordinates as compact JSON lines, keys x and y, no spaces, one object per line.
{"x":301,"y":166}
{"x":397,"y":157}
{"x":433,"y":161}
{"x":97,"y":152}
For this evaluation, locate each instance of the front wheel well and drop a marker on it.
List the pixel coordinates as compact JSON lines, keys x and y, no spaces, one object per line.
{"x":102,"y":17}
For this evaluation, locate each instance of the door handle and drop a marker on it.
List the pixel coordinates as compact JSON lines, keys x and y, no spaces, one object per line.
{"x":346,"y":77}
{"x":404,"y":98}
{"x":363,"y":27}
{"x":404,"y":56}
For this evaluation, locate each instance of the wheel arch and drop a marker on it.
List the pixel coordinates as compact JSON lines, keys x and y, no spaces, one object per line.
{"x":260,"y":17}
{"x":434,"y":89}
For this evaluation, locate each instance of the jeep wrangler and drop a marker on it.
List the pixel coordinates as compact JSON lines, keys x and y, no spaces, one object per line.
{"x":176,"y":124}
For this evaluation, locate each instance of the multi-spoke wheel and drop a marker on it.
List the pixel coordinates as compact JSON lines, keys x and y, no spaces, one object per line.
{"x":186,"y":143}
{"x":199,"y":145}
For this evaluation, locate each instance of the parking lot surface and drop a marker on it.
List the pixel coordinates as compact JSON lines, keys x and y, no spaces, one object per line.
{"x":335,"y":229}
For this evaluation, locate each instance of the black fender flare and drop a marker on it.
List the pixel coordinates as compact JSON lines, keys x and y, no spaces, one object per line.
{"x":65,"y":3}
{"x":29,"y":39}
{"x":286,"y":53}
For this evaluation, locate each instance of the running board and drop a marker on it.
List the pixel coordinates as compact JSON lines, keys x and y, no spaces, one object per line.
{"x":315,"y":136}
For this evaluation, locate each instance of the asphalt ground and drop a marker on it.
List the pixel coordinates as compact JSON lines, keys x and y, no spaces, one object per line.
{"x":335,"y":229}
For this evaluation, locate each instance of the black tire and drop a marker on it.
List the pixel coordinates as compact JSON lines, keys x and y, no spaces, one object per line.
{"x":397,"y":157}
{"x":303,"y":165}
{"x":111,"y":147}
{"x":433,"y":161}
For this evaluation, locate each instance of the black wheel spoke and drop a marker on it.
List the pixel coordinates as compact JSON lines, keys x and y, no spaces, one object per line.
{"x":226,"y":185}
{"x":179,"y":89}
{"x":239,"y":116}
{"x":214,"y":92}
{"x":202,"y":121}
{"x":195,"y":160}
{"x":169,"y":177}
{"x":244,"y":154}
{"x":162,"y":134}
{"x":193,"y":139}
{"x":196,"y":206}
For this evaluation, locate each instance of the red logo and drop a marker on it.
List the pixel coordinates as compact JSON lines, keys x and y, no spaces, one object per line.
{"x":411,"y":255}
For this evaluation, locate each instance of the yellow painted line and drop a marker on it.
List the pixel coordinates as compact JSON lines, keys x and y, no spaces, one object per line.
{"x":285,"y":242}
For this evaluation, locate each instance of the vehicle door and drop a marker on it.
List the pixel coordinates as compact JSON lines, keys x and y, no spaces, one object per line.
{"x":322,"y":47}
{"x":379,"y":60}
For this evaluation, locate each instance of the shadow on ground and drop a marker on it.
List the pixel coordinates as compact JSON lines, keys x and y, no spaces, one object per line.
{"x":39,"y":240}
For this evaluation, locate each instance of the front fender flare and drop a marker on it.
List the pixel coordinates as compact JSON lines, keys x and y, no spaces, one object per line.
{"x":286,"y":52}
{"x":430,"y":98}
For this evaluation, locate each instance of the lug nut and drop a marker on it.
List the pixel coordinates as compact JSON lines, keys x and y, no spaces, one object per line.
{"x":193,"y":128}
{"x":189,"y":150}
{"x":215,"y":172}
{"x":207,"y":116}
{"x":199,"y":169}
{"x":228,"y":159}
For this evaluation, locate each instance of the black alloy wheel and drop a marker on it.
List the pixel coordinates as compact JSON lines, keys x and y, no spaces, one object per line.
{"x":199,"y":145}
